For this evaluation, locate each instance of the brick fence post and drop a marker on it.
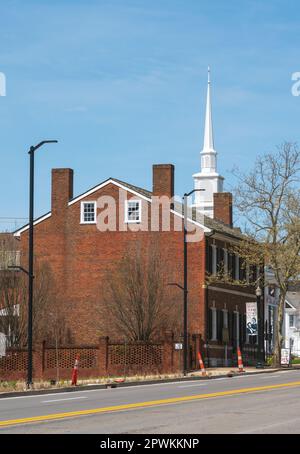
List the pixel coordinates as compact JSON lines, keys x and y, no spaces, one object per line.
{"x":103,"y":355}
{"x":168,"y":352}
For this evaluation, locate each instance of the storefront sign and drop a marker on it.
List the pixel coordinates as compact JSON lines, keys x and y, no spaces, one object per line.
{"x":285,"y":356}
{"x":2,"y":344}
{"x":178,"y":346}
{"x":251,"y":319}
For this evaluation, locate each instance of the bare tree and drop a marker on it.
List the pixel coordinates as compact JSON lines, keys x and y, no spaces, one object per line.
{"x":14,"y":296}
{"x":137,"y":295}
{"x":268,"y":199}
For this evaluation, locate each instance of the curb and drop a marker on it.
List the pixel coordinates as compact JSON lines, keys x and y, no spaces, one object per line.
{"x":130,"y":384}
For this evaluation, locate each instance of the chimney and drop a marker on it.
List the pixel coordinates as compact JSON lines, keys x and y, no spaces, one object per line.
{"x":163,"y":180}
{"x":223,"y":207}
{"x":62,"y":190}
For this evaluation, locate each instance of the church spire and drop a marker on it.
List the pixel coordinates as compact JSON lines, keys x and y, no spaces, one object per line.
{"x":208,"y":178}
{"x":208,"y":154}
{"x":208,"y":129}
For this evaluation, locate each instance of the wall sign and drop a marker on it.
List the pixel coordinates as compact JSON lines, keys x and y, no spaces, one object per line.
{"x":285,"y":357}
{"x":251,"y":319}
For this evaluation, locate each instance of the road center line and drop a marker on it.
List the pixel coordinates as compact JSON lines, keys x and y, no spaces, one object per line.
{"x":136,"y":405}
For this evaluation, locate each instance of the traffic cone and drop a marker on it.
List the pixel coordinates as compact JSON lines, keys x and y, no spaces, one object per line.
{"x":75,"y":371}
{"x":240,"y":360}
{"x":201,"y":364}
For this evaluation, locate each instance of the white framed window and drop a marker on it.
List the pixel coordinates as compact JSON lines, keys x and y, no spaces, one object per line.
{"x":291,"y":321}
{"x":133,"y":212}
{"x":88,"y":212}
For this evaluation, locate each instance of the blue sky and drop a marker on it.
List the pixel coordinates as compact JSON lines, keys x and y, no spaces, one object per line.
{"x":121,"y":84}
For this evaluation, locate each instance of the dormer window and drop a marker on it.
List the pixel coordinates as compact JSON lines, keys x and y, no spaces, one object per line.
{"x":88,"y":212}
{"x":133,"y":211}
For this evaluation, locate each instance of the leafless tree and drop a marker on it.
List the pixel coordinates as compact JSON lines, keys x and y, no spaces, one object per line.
{"x":268,"y":199}
{"x":137,"y":295}
{"x":14,"y":298}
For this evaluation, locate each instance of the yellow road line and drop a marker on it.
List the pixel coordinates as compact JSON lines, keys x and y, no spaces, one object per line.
{"x":171,"y":400}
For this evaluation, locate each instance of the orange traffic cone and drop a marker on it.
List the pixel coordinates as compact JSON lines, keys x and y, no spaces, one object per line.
{"x":75,"y":371}
{"x":240,"y":360}
{"x":202,"y":367}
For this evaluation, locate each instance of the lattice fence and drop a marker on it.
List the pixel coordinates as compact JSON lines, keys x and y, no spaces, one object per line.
{"x":66,"y":358}
{"x":14,"y":361}
{"x":135,"y":354}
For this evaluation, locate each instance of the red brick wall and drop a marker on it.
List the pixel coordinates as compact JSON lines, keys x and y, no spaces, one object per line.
{"x":80,"y":255}
{"x":223,"y":207}
{"x":163,"y":180}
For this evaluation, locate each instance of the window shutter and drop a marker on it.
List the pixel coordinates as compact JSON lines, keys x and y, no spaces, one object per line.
{"x":242,"y":269}
{"x":230,"y":325}
{"x":229,"y":266}
{"x":244,"y":338}
{"x":209,"y":324}
{"x":233,"y":262}
{"x":220,"y":258}
{"x":208,"y":258}
{"x":234,"y":332}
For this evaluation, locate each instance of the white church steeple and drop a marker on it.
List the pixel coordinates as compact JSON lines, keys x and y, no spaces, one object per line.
{"x":207,"y":178}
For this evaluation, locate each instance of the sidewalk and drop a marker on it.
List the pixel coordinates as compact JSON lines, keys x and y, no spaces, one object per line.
{"x":113,"y":382}
{"x":224,"y":371}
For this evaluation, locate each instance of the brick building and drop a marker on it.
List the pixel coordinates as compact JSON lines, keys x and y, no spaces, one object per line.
{"x":79,"y":246}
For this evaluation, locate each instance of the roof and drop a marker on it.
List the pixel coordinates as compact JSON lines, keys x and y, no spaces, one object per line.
{"x":213,"y":224}
{"x":204,"y":221}
{"x":294,"y":299}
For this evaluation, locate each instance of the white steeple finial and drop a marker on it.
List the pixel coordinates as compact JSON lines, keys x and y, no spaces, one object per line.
{"x":207,"y":178}
{"x":208,"y":144}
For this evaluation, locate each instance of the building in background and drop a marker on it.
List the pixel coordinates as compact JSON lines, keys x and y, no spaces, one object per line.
{"x":292,"y":320}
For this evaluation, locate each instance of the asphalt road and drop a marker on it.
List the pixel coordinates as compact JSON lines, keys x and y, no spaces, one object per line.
{"x":264,"y":403}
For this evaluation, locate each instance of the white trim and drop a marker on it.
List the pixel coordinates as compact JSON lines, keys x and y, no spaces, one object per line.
{"x":132,"y":221}
{"x":82,"y":221}
{"x":203,"y":227}
{"x":26,"y":227}
{"x":233,"y":292}
{"x":102,"y":185}
{"x":290,"y":304}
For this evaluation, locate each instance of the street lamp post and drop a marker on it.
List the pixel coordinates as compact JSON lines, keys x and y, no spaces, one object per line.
{"x":260,"y":326}
{"x":31,"y":255}
{"x":185,"y":283}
